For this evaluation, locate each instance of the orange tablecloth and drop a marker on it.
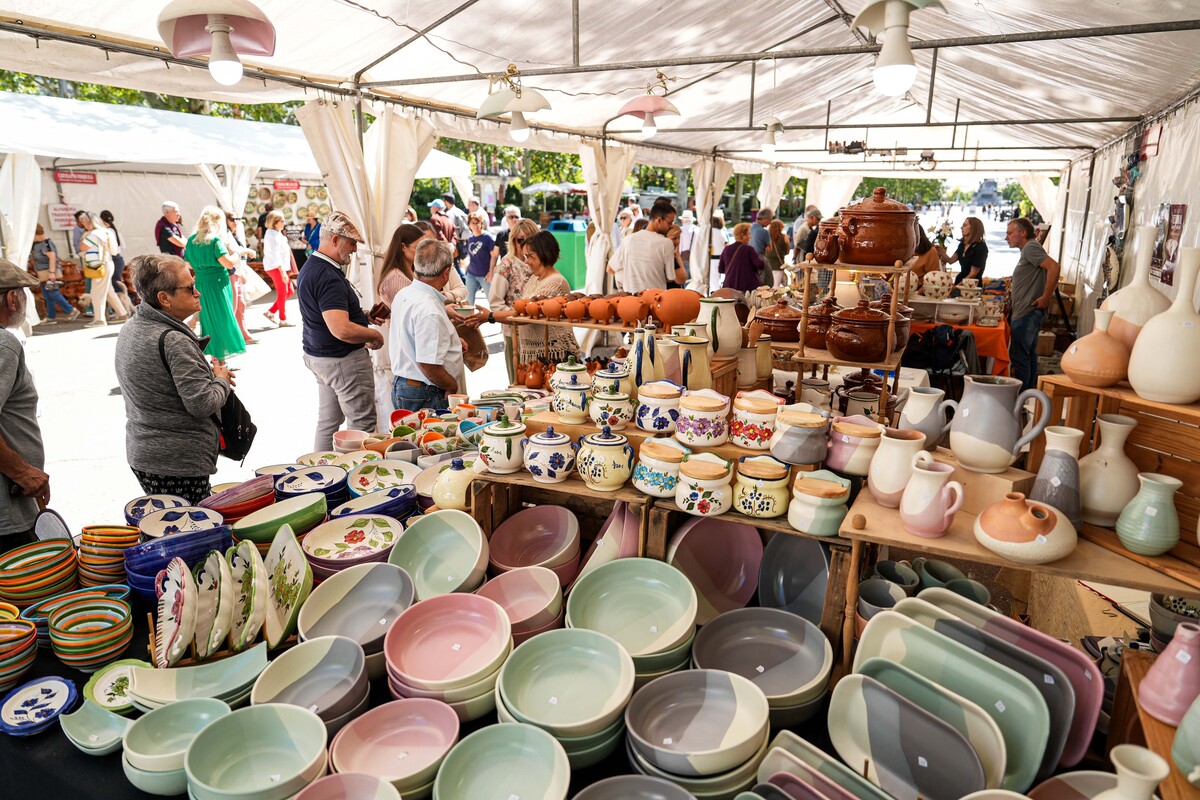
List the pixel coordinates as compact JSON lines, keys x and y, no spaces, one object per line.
{"x":989,"y":342}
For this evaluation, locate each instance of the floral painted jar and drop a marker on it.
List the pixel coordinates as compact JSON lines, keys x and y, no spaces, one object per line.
{"x":852,"y":444}
{"x":549,"y":456}
{"x":657,"y":470}
{"x":571,"y":400}
{"x":703,"y":418}
{"x":704,"y":488}
{"x":605,"y":460}
{"x":613,"y":378}
{"x":801,"y":434}
{"x":658,"y":406}
{"x":613,"y":409}
{"x":499,"y":446}
{"x":761,"y":489}
{"x":818,"y":502}
{"x":753,"y":421}
{"x":565,"y":369}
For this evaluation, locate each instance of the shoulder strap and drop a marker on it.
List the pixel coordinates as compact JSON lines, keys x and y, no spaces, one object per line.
{"x":162,"y":349}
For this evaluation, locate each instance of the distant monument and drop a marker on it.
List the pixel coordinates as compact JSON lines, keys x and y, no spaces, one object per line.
{"x":988,"y":192}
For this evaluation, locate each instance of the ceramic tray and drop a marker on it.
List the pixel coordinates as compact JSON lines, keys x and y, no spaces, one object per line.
{"x":214,"y":611}
{"x":351,"y":538}
{"x":290,"y":580}
{"x":249,"y":594}
{"x":184,"y":519}
{"x":34,"y":706}
{"x":794,"y":788}
{"x":793,"y":575}
{"x":175,"y":622}
{"x":779,"y":760}
{"x":1008,"y":698}
{"x":109,"y":686}
{"x":830,"y":767}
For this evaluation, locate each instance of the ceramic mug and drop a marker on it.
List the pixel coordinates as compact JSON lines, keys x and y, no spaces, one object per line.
{"x":876,"y":594}
{"x":972,"y":590}
{"x":935,"y":573}
{"x":900,"y":574}
{"x":455,"y":399}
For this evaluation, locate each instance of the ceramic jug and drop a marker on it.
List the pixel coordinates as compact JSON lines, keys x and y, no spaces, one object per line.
{"x":1160,"y":364}
{"x":1185,"y":749}
{"x":641,"y":355}
{"x":719,"y":316}
{"x":747,"y":367}
{"x":704,"y":485}
{"x":695,"y":371}
{"x":1098,"y":359}
{"x":801,"y":434}
{"x":818,"y":502}
{"x":930,"y":500}
{"x":571,"y":400}
{"x":1057,"y":481}
{"x":753,"y":422}
{"x":922,"y":410}
{"x":761,"y":489}
{"x":703,"y":418}
{"x":452,"y":487}
{"x":669,"y":354}
{"x":1024,"y":531}
{"x":613,"y":409}
{"x":852,"y":444}
{"x":698,"y":330}
{"x":1135,"y":304}
{"x":985,"y":434}
{"x":1139,"y":772}
{"x":499,"y":446}
{"x":605,"y":460}
{"x":1173,"y":681}
{"x":816,"y":392}
{"x":1107,"y":477}
{"x":891,"y":466}
{"x":657,"y":470}
{"x":1149,"y":524}
{"x":549,"y":456}
{"x":658,"y":407}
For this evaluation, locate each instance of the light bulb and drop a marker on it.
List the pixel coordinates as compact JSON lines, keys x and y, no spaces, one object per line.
{"x":649,"y":128}
{"x":768,"y":143}
{"x":895,"y":69}
{"x":518,"y":130}
{"x":223,"y":63}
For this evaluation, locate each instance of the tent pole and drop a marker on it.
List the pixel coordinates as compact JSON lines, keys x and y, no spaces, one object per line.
{"x":1062,"y":223}
{"x":575,"y":32}
{"x":932,"y":78}
{"x":859,"y":126}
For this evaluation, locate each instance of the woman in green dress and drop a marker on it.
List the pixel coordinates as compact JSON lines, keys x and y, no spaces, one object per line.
{"x":211,"y":262}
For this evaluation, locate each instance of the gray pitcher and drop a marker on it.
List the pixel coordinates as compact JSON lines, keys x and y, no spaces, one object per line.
{"x":985,"y":434}
{"x":922,"y":410}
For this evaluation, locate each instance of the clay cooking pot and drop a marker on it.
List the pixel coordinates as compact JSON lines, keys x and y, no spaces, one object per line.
{"x":781,"y":322}
{"x":820,"y":317}
{"x":858,"y":334}
{"x":878,"y":231}
{"x":826,"y":248}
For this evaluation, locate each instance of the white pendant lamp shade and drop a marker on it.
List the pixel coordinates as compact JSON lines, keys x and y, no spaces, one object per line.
{"x":219,"y":29}
{"x":648,"y":108}
{"x":774,"y":126}
{"x":895,"y":69}
{"x":507,"y":101}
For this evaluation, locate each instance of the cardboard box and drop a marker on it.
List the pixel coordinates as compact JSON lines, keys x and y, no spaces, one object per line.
{"x":1045,"y":345}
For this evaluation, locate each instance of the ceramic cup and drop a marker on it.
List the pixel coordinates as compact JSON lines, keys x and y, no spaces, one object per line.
{"x":900,"y":574}
{"x":876,"y":594}
{"x":935,"y":573}
{"x":972,"y":590}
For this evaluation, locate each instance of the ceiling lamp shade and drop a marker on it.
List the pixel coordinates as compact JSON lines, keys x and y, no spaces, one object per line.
{"x":513,"y":99}
{"x":773,"y":126}
{"x":648,"y":108}
{"x":219,"y":29}
{"x":895,"y":70}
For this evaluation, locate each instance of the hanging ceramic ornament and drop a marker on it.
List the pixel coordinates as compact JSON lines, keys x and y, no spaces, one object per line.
{"x":1134,"y":305}
{"x":1162,"y":367}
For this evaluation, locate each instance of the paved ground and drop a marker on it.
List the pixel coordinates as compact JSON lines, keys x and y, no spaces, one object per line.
{"x":1002,"y":259}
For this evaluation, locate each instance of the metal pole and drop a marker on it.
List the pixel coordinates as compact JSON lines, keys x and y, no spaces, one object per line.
{"x":954,"y":131}
{"x":1087,"y":208}
{"x":918,"y":147}
{"x":1062,"y":223}
{"x":862,"y":126}
{"x":932,"y":78}
{"x":753,"y":78}
{"x":575,"y":32}
{"x":419,"y":34}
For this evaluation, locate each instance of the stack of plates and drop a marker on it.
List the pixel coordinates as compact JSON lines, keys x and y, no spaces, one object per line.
{"x":139,"y":507}
{"x":302,"y":513}
{"x":156,"y":744}
{"x":242,"y":499}
{"x":185,"y":519}
{"x":39,"y":612}
{"x":531,"y":596}
{"x":38,"y":570}
{"x":542,"y":536}
{"x":35,"y":706}
{"x":350,"y":540}
{"x":93,"y":730}
{"x":18,"y":648}
{"x":423,"y":730}
{"x":397,"y":502}
{"x":102,"y":553}
{"x":230,"y":679}
{"x":327,"y":675}
{"x":88,"y":632}
{"x":328,"y":480}
{"x":143,"y":562}
{"x":444,"y":552}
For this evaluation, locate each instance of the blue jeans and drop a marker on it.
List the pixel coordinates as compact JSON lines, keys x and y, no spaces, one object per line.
{"x":1022,"y":349}
{"x":474,"y":284}
{"x":414,"y":398}
{"x":55,"y":298}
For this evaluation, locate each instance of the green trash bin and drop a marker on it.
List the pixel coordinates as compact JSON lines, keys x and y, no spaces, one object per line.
{"x":572,"y":242}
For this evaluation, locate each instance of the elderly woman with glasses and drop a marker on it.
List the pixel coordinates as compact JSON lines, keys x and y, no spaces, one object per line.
{"x":171,"y":392}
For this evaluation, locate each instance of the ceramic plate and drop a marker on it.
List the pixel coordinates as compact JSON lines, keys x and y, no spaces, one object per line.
{"x":34,"y":706}
{"x":175,"y":623}
{"x":827,"y":765}
{"x":184,"y":519}
{"x":1084,"y":675}
{"x":312,"y":479}
{"x":349,"y":461}
{"x":249,"y":594}
{"x":319,"y":459}
{"x":1075,"y":786}
{"x":382,"y":474}
{"x":280,"y":469}
{"x":1008,"y":698}
{"x":214,"y":585}
{"x":228,"y":678}
{"x":352,"y":537}
{"x":793,"y":575}
{"x":139,"y":507}
{"x":794,"y":788}
{"x":49,"y":524}
{"x":907,"y":751}
{"x":289,"y":580}
{"x":109,"y":686}
{"x":779,"y":760}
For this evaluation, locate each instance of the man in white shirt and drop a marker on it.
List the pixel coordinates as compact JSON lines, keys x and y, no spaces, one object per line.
{"x":426,"y":351}
{"x":646,"y":259}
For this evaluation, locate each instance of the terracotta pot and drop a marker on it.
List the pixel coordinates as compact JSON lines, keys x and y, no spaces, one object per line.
{"x":878,"y":231}
{"x":577,"y":310}
{"x":903,"y":319}
{"x":601,"y":311}
{"x":519,"y":305}
{"x":522,"y":373}
{"x":552,"y":308}
{"x":1025,"y":531}
{"x":632,"y":310}
{"x":781,"y":322}
{"x":858,"y":334}
{"x":535,"y":378}
{"x":1098,"y":359}
{"x":820,"y":316}
{"x":677,"y":306}
{"x":827,"y":247}
{"x":533,"y":309}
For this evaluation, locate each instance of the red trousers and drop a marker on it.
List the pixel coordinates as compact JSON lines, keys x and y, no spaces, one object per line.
{"x":282,"y":284}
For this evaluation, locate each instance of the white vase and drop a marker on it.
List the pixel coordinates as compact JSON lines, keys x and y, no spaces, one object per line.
{"x":724,"y":332}
{"x":1108,"y":479}
{"x":1135,"y":304}
{"x":1162,"y":366}
{"x":1139,"y":771}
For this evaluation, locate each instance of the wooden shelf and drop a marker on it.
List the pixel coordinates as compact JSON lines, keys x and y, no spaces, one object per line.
{"x":617,"y":327}
{"x":1168,"y":563}
{"x":813,"y":356}
{"x":842,"y":266}
{"x":775,"y":524}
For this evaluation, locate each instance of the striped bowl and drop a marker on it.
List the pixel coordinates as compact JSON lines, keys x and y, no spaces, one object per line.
{"x":91,"y":631}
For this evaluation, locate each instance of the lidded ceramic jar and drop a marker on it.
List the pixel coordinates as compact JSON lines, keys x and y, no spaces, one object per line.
{"x":781,"y":321}
{"x":820,"y":317}
{"x":605,"y":460}
{"x":703,"y":418}
{"x":657,"y":470}
{"x":571,"y":399}
{"x":549,"y":456}
{"x":761,"y":489}
{"x":613,"y":378}
{"x":878,"y":231}
{"x":852,"y":444}
{"x":451,"y":488}
{"x":499,"y":445}
{"x":801,"y":434}
{"x":818,"y":502}
{"x":613,"y":409}
{"x":1025,"y":531}
{"x":658,"y":406}
{"x":858,"y":334}
{"x":704,"y":488}
{"x":753,"y":421}
{"x":903,"y":319}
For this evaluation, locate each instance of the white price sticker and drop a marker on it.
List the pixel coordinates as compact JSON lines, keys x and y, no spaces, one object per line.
{"x":456,"y":647}
{"x":1151,"y":511}
{"x":668,"y":741}
{"x":1088,"y":674}
{"x":1049,"y":679}
{"x":313,"y":708}
{"x":1183,"y":656}
{"x":921,"y":762}
{"x":403,"y":754}
{"x":760,"y":668}
{"x":966,"y":412}
{"x":1187,"y":323}
{"x":1000,"y":706}
{"x":553,"y":701}
{"x":383,"y":621}
{"x":1055,"y":482}
{"x":1041,"y":539}
{"x":654,"y":629}
{"x":275,"y":778}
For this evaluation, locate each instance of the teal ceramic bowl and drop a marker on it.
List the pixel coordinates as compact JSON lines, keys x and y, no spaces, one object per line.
{"x":505,"y":761}
{"x":303,"y":513}
{"x":570,"y":744}
{"x":667,"y":660}
{"x":590,"y":756}
{"x":96,"y":731}
{"x":158,"y":741}
{"x":164,"y":784}
{"x":647,"y":606}
{"x":444,"y":552}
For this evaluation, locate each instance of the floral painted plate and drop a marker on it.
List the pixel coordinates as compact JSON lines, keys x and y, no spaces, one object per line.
{"x":279,"y":469}
{"x":320,"y":458}
{"x":183,"y":519}
{"x":175,"y":623}
{"x":382,"y":474}
{"x":249,"y":594}
{"x":109,"y":686}
{"x":353,"y":537}
{"x":290,"y":581}
{"x":307,"y":481}
{"x":214,"y":585}
{"x":139,"y":507}
{"x":356,"y":458}
{"x":34,"y":706}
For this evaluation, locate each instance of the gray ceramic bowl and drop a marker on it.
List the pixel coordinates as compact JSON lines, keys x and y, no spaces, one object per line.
{"x":1166,"y":612}
{"x":326,"y":675}
{"x":359,"y":602}
{"x":634,"y":787}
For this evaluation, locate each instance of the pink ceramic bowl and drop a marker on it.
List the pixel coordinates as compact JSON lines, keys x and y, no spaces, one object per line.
{"x":349,"y":440}
{"x":542,"y":536}
{"x":553,"y":625}
{"x":469,"y":692}
{"x":402,"y":742}
{"x":349,"y":786}
{"x":721,"y":559}
{"x":531,"y":596}
{"x":448,"y":641}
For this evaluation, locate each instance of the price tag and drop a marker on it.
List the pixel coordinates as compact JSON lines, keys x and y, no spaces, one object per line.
{"x":1049,"y":679}
{"x":760,"y":668}
{"x":275,"y":778}
{"x":966,"y":412}
{"x":668,"y":741}
{"x":553,"y":701}
{"x":921,"y":762}
{"x":1041,"y":539}
{"x":1088,"y":674}
{"x":383,"y":621}
{"x":1183,"y":656}
{"x":456,"y":647}
{"x":1151,"y":511}
{"x":654,"y":629}
{"x":1000,"y":706}
{"x":403,"y":754}
{"x":1055,"y":482}
{"x":313,"y":708}
{"x":1187,"y":323}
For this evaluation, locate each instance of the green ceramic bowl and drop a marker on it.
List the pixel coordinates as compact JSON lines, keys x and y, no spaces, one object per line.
{"x":165,"y":784}
{"x":444,"y":552}
{"x":647,"y":606}
{"x":666,"y":661}
{"x":94,"y":730}
{"x":303,"y":513}
{"x":158,"y":741}
{"x":505,"y":761}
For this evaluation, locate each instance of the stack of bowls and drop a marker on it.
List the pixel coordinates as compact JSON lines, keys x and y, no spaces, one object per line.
{"x":102,"y":553}
{"x":638,"y":787}
{"x":361,"y":603}
{"x":449,"y":648}
{"x":156,"y":744}
{"x":444,"y":552}
{"x":143,"y":562}
{"x":327,"y":480}
{"x":230,"y":680}
{"x":93,"y":729}
{"x":542,"y":536}
{"x":402,"y":742}
{"x":704,"y":730}
{"x":721,"y":559}
{"x":38,"y":570}
{"x":531,"y":596}
{"x":511,"y":761}
{"x":88,"y":632}
{"x":18,"y":649}
{"x":302,"y":513}
{"x":573,"y":684}
{"x":348,"y":541}
{"x":326,"y":675}
{"x":39,"y":612}
{"x":139,"y":507}
{"x":245,"y":498}
{"x":185,"y":519}
{"x":266,"y":752}
{"x":397,"y":502}
{"x":783,"y":654}
{"x":349,"y":786}
{"x":647,"y":606}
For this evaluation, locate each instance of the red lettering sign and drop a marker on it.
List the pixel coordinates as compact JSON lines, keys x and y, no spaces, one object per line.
{"x":61,"y":176}
{"x":286,"y":186}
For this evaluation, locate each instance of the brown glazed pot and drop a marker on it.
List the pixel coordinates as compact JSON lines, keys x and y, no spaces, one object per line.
{"x":858,"y":334}
{"x":820,"y":317}
{"x":781,"y":322}
{"x":827,"y":247}
{"x":577,"y":310}
{"x":601,"y":311}
{"x":552,"y":308}
{"x":632,"y":310}
{"x":677,"y":306}
{"x":878,"y":231}
{"x":903,"y":320}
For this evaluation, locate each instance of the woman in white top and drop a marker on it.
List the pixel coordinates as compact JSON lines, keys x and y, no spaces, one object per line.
{"x":235,"y":243}
{"x":118,"y":274}
{"x":97,"y":247}
{"x":277,"y":261}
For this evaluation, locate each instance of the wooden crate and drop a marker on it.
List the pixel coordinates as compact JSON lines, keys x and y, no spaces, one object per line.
{"x":724,"y":376}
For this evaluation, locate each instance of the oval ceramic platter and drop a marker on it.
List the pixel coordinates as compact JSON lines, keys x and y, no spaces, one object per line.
{"x":214,"y":585}
{"x":312,"y":479}
{"x":380,"y":501}
{"x":1083,"y":785}
{"x":1050,"y":681}
{"x":289,"y":581}
{"x":822,"y":762}
{"x":793,"y":575}
{"x":109,"y":686}
{"x":793,"y":788}
{"x":1084,"y":675}
{"x":905,"y":750}
{"x":175,"y":623}
{"x":219,"y":679}
{"x":249,"y":594}
{"x":360,"y":602}
{"x":382,"y":474}
{"x":352,"y":537}
{"x":779,"y":760}
{"x":1008,"y":698}
{"x":184,"y":519}
{"x":34,"y":706}
{"x":959,"y":712}
{"x":139,"y":507}
{"x":280,"y":469}
{"x":320,"y":458}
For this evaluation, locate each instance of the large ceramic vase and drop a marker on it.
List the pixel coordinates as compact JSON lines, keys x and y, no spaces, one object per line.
{"x":1185,"y":750}
{"x":923,"y":411}
{"x":1138,"y":302}
{"x":1057,"y":481}
{"x":985,"y":434}
{"x":1149,"y":524}
{"x":1173,"y":681}
{"x":719,"y":315}
{"x":1139,"y":772}
{"x":1162,"y":365}
{"x":1108,"y":479}
{"x":1098,"y":359}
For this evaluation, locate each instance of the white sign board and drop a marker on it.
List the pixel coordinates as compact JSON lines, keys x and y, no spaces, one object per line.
{"x":62,"y":216}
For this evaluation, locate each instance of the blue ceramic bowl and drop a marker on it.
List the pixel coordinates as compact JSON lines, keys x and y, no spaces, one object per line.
{"x":398,"y":502}
{"x":147,"y":559}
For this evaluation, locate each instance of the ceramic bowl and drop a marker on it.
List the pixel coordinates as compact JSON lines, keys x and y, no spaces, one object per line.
{"x":634,"y":787}
{"x":347,"y":440}
{"x":302,"y":513}
{"x":485,"y":685}
{"x":270,"y":751}
{"x":722,"y":561}
{"x":88,"y":632}
{"x":444,"y":552}
{"x":402,"y":742}
{"x":1167,"y":612}
{"x":505,"y":761}
{"x":326,"y":675}
{"x":94,"y":730}
{"x":158,"y":741}
{"x":138,"y":507}
{"x":397,"y":502}
{"x":793,"y":575}
{"x":352,"y":539}
{"x":349,"y":786}
{"x":545,"y":536}
{"x":38,"y":570}
{"x":785,"y":717}
{"x":382,"y":474}
{"x":448,"y":641}
{"x":186,"y":519}
{"x":424,"y":482}
{"x":531,"y":596}
{"x":276,"y":470}
{"x":467,"y":710}
{"x":698,"y":722}
{"x":571,"y":682}
{"x":164,"y":784}
{"x":783,"y":654}
{"x":665,"y":661}
{"x":320,"y":458}
{"x":723,"y":784}
{"x":553,"y":625}
{"x":360,"y":602}
{"x":645,"y":605}
{"x":143,"y":561}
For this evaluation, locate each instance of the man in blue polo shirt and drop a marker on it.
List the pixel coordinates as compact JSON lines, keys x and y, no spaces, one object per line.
{"x":335,"y":331}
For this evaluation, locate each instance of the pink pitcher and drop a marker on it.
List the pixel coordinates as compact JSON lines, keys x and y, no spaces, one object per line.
{"x":930,"y":499}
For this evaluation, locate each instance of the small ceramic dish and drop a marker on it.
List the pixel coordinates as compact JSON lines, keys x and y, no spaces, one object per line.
{"x":289,"y":582}
{"x":158,"y":741}
{"x":360,"y":602}
{"x":185,"y":519}
{"x":647,"y":606}
{"x":214,"y":609}
{"x":448,"y":641}
{"x":108,"y":687}
{"x":139,"y":507}
{"x":505,"y":761}
{"x":381,"y":474}
{"x":324,"y":480}
{"x":444,"y":552}
{"x":93,"y":730}
{"x":34,"y":706}
{"x":326,"y":675}
{"x":251,"y":594}
{"x":402,"y":742}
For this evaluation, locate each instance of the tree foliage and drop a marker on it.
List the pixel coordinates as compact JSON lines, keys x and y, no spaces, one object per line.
{"x":906,"y":190}
{"x":1013,"y":193}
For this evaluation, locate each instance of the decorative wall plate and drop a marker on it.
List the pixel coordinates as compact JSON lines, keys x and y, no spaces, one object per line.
{"x":175,"y":623}
{"x":323,"y":193}
{"x":290,"y":581}
{"x":214,"y":585}
{"x":249,"y":596}
{"x":264,"y":193}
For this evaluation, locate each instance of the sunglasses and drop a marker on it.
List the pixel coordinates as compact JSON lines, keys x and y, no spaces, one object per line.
{"x":519,"y":240}
{"x":190,"y":288}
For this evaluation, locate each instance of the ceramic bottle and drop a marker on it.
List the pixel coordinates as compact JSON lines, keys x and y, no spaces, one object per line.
{"x":499,"y":445}
{"x":657,"y":470}
{"x":1173,"y":682}
{"x":1108,"y":479}
{"x":613,"y":409}
{"x":891,"y":466}
{"x":1098,"y":359}
{"x":549,"y":456}
{"x":930,"y":499}
{"x":1139,"y":772}
{"x":1135,"y":304}
{"x":1149,"y":524}
{"x":754,"y":415}
{"x":801,"y":434}
{"x":658,"y":407}
{"x":761,"y":490}
{"x":818,"y":502}
{"x":1024,"y":531}
{"x":605,"y":460}
{"x":704,"y":485}
{"x":1161,"y":365}
{"x":703,"y":419}
{"x":1057,"y":481}
{"x":719,"y":316}
{"x":695,"y":372}
{"x":451,"y":488}
{"x":922,"y":411}
{"x":985,"y":434}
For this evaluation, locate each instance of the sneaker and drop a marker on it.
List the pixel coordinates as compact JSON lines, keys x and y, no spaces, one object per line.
{"x":286,"y":324}
{"x":49,"y":321}
{"x":96,"y":324}
{"x":75,"y":314}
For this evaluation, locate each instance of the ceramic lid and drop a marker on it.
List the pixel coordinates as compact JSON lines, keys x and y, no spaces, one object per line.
{"x":878,"y":203}
{"x":704,"y":469}
{"x":611,"y":396}
{"x":664,"y":450}
{"x":504,"y":427}
{"x":550,"y":436}
{"x":570,"y":365}
{"x":456,"y":464}
{"x":884,"y":304}
{"x":819,"y":487}
{"x":660,"y":390}
{"x":765,"y":468}
{"x":699,"y":401}
{"x":780,"y":311}
{"x":859,"y":430}
{"x":757,"y":402}
{"x":802,"y":419}
{"x":573,"y":384}
{"x":862,"y":314}
{"x":614,"y":370}
{"x":606,"y":438}
{"x":823,"y":308}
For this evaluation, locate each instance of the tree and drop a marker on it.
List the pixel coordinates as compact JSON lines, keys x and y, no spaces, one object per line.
{"x":1013,"y":193}
{"x":917,"y":191}
{"x":958,"y":195}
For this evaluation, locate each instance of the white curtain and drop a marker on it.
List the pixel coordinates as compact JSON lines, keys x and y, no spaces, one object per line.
{"x":709,"y":176}
{"x":770,"y":189}
{"x":233,"y":189}
{"x":604,"y":173}
{"x":829,"y":191}
{"x":1042,"y":193}
{"x":20,"y":197}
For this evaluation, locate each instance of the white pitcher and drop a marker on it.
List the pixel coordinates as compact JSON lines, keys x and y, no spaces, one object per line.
{"x":892,"y":465}
{"x":695,"y":372}
{"x":719,"y":315}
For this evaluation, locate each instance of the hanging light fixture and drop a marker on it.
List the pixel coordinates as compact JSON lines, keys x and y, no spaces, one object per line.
{"x":927,"y":162}
{"x":773,"y":126}
{"x":512,"y":99}
{"x":219,"y":29}
{"x":650,"y":106}
{"x":895,"y":70}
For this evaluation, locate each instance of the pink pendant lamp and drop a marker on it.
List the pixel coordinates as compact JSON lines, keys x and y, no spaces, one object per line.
{"x":219,"y":29}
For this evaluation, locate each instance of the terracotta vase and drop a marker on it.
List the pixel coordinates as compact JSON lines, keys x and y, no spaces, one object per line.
{"x":1057,"y":481}
{"x":552,"y":308}
{"x":1160,"y":366}
{"x":1149,"y":523}
{"x":535,"y":378}
{"x":1098,"y":359}
{"x":1134,"y":305}
{"x":577,"y":310}
{"x":601,"y":311}
{"x":677,"y":306}
{"x":632,"y":310}
{"x":1108,"y":479}
{"x":1173,"y":681}
{"x":1025,"y":531}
